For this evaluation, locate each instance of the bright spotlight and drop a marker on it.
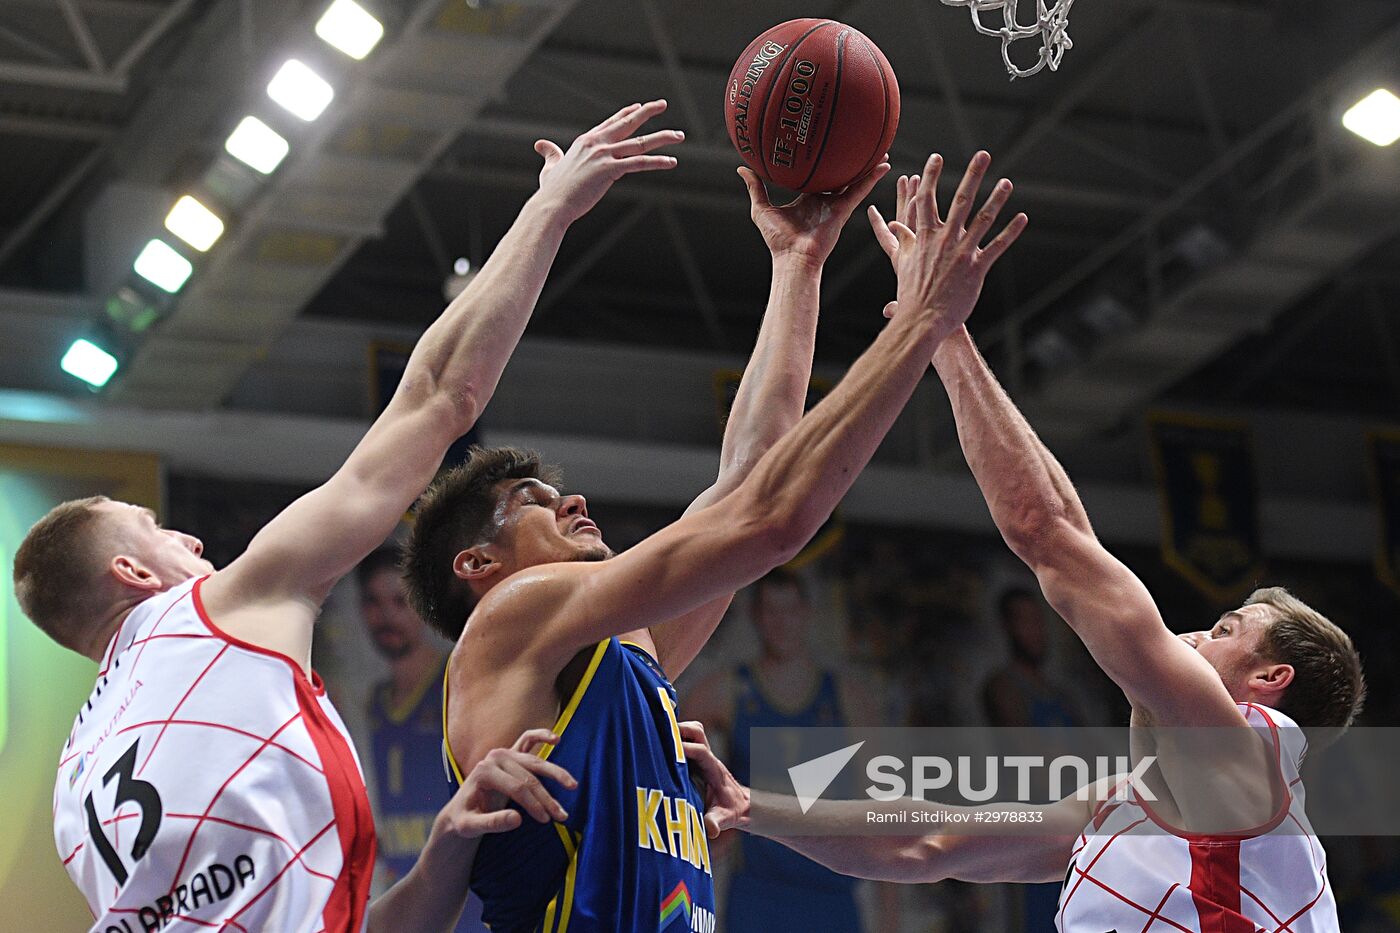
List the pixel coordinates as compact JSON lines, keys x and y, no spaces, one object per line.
{"x":194,"y":223}
{"x":348,"y":27}
{"x":257,"y":145}
{"x":89,"y":362}
{"x":301,"y":90}
{"x":1375,"y":118}
{"x":160,"y":265}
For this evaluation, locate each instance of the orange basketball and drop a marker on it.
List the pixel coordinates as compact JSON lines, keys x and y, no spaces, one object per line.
{"x":812,"y":105}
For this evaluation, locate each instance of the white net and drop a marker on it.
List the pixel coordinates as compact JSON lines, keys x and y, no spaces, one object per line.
{"x":1051,"y":25}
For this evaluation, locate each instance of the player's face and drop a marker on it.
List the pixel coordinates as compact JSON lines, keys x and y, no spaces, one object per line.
{"x":537,"y":525}
{"x":1232,"y":645}
{"x":171,"y":555}
{"x":780,"y":616}
{"x":393,"y":626}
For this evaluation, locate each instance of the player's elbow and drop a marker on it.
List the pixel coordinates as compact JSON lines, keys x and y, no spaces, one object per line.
{"x":786,"y":533}
{"x":1037,"y":534}
{"x":453,"y":408}
{"x":766,"y":537}
{"x":919,"y":860}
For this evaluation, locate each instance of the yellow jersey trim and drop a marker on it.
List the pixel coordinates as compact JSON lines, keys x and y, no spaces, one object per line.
{"x":571,"y":707}
{"x":398,"y":715}
{"x":560,"y":724}
{"x":562,"y":904}
{"x":446,"y":745}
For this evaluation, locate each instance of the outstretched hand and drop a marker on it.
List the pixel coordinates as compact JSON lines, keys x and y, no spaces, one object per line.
{"x":726,"y":800}
{"x":905,"y":187}
{"x":808,"y":226}
{"x":951,"y":266}
{"x":578,"y":179}
{"x":480,"y":806}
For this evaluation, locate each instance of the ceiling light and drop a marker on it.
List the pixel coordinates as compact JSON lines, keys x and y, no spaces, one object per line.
{"x":1375,"y":118}
{"x":1051,"y":350}
{"x":461,"y":277}
{"x":301,"y":90}
{"x":348,"y":27}
{"x":1106,"y":315}
{"x":194,"y":223}
{"x":160,"y":265}
{"x":257,"y":145}
{"x":89,"y":362}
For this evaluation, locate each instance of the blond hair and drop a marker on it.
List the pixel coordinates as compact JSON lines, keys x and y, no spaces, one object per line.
{"x":1328,"y":687}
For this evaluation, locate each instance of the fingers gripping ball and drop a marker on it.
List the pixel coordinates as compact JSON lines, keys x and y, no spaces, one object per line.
{"x":812,"y":105}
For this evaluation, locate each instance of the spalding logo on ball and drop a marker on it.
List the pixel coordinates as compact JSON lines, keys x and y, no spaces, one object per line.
{"x":812,"y":105}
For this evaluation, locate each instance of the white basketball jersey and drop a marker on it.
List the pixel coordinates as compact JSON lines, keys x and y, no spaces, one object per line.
{"x":1128,"y":874}
{"x":209,"y":783}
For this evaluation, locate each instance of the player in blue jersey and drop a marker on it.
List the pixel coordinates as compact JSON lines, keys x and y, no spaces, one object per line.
{"x":552,"y":628}
{"x":774,"y":889}
{"x":405,"y":725}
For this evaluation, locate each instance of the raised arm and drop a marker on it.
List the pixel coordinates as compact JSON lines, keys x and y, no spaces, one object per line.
{"x":449,"y":378}
{"x":1040,"y":516}
{"x":794,"y":487}
{"x":800,"y":236}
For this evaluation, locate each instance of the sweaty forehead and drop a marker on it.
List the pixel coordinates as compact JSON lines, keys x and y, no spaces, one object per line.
{"x":510,"y":487}
{"x":1253,"y":617}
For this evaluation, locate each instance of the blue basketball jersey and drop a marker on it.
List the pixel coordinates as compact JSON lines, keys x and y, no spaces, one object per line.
{"x":633,"y":856}
{"x":405,"y":753}
{"x":776,"y":889}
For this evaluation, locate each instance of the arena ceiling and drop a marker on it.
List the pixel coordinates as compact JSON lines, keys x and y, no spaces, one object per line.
{"x":1203,"y":229}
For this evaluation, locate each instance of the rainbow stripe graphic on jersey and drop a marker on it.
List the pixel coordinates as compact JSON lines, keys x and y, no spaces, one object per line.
{"x":675,"y":907}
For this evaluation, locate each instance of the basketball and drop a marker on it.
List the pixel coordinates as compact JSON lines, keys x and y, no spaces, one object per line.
{"x":812,"y":105}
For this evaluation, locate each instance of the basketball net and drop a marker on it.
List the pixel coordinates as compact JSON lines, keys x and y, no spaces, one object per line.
{"x":1051,"y":25}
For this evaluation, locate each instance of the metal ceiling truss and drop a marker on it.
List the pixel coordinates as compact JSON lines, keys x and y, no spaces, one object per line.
{"x":1321,"y":209}
{"x":81,"y":66}
{"x":393,"y":116}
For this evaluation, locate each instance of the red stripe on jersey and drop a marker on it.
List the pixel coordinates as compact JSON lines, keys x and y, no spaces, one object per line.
{"x":1157,"y":913}
{"x":354,"y":822}
{"x":296,"y":857}
{"x":300,"y":674}
{"x":160,"y":735}
{"x":1084,"y":872}
{"x":189,"y":844}
{"x":260,"y":830}
{"x":218,"y":725}
{"x":1281,"y":787}
{"x":154,"y":629}
{"x":1154,"y":916}
{"x":1215,"y":886}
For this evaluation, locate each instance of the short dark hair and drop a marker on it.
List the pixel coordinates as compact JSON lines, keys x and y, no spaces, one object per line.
{"x":56,"y":571}
{"x":375,"y":563}
{"x":1329,"y":687}
{"x":777,"y":578}
{"x":1009,"y":596}
{"x":453,"y":515}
